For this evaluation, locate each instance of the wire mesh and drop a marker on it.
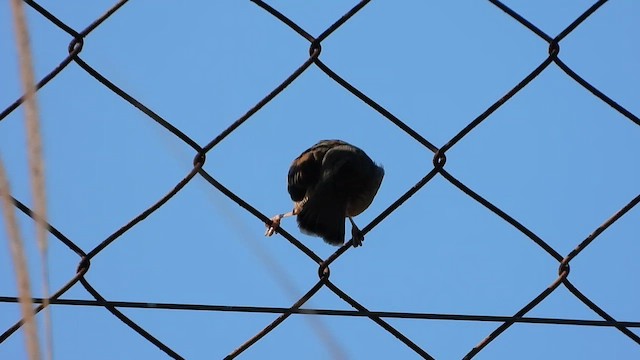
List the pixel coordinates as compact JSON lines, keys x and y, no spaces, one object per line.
{"x":378,"y":318}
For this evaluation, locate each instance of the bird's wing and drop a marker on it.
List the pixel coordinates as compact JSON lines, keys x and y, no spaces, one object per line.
{"x":304,"y":173}
{"x":306,"y":169}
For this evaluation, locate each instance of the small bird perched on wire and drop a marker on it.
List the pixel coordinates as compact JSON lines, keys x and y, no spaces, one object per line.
{"x":330,"y":181}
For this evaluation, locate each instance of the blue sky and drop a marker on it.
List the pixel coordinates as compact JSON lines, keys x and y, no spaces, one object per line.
{"x":554,"y":157}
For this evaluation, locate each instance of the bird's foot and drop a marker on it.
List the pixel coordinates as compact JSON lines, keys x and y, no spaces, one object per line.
{"x":357,"y":236}
{"x":275,"y":224}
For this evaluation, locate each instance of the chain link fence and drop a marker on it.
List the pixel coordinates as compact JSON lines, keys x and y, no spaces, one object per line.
{"x":324,"y":281}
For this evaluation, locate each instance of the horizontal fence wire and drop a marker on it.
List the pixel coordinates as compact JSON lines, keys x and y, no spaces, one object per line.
{"x":325,"y":312}
{"x":439,"y":161}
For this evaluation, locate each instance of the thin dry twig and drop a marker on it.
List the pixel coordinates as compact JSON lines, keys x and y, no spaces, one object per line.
{"x":36,"y":164}
{"x":20,"y":266}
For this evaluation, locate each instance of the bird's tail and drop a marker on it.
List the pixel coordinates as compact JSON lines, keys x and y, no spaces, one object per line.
{"x":323,"y":215}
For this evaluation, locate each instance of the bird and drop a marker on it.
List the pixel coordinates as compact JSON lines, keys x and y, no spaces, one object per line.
{"x":328,"y":182}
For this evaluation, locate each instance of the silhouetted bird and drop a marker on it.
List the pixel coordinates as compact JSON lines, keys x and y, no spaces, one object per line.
{"x":328,"y":182}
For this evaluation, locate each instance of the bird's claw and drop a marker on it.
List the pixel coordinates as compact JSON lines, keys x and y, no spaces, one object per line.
{"x":275,"y":224}
{"x":356,"y":236}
